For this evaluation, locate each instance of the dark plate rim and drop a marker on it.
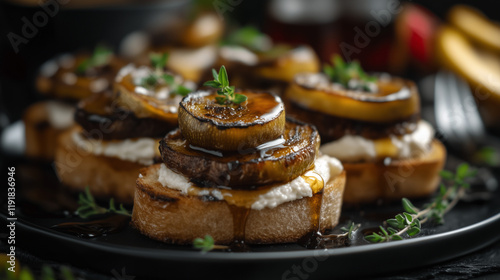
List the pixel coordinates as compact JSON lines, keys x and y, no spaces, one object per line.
{"x":484,"y":232}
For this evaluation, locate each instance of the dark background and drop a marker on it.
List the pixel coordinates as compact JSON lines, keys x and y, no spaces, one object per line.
{"x":74,"y":29}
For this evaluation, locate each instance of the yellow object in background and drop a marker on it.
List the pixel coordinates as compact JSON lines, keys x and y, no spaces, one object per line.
{"x":479,"y":67}
{"x":476,"y":26}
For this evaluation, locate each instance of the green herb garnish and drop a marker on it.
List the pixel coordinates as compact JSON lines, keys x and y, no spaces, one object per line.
{"x":87,"y":206}
{"x":204,"y":244}
{"x":349,"y":74}
{"x":207,"y":244}
{"x":249,"y":37}
{"x":349,"y":229}
{"x":488,"y":156}
{"x":221,"y":83}
{"x":100,"y":57}
{"x":159,"y":62}
{"x":410,"y":222}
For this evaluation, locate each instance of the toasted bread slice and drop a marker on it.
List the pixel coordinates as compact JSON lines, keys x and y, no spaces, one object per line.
{"x":40,"y":134}
{"x":368,"y":182}
{"x":105,"y":176}
{"x":170,"y":216}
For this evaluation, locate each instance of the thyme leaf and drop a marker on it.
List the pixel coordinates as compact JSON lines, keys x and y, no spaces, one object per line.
{"x":158,"y":76}
{"x":100,"y":57}
{"x":221,"y":83}
{"x":349,"y":74}
{"x":350,"y":228}
{"x":249,"y":37}
{"x":89,"y":207}
{"x":207,"y":244}
{"x":409,"y":223}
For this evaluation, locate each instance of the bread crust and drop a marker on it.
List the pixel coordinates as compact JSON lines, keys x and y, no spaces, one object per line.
{"x":168,"y":215}
{"x":105,"y":176}
{"x":367,"y":182}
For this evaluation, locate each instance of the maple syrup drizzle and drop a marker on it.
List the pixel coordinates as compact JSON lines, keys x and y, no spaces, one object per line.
{"x":112,"y":224}
{"x":240,"y":216}
{"x":314,"y":238}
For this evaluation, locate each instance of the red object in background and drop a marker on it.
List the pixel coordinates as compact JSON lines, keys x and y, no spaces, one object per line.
{"x":420,"y":25}
{"x":383,"y":35}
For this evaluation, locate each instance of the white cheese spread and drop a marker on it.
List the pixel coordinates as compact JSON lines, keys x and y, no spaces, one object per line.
{"x":327,"y":167}
{"x":60,"y":115}
{"x":140,"y":150}
{"x":355,"y":148}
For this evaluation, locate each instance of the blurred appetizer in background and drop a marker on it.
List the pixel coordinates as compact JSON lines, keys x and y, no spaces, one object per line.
{"x":372,"y":124}
{"x":475,"y":56}
{"x":119,"y":131}
{"x":239,"y":171}
{"x":256,"y":63}
{"x":191,"y":43}
{"x":63,"y":81}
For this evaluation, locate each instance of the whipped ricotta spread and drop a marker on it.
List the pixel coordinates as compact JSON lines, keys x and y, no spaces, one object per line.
{"x":355,"y":148}
{"x":325,"y":166}
{"x":140,"y":150}
{"x":60,"y":115}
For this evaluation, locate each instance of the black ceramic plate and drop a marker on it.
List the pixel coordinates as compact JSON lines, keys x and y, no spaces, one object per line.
{"x":468,"y":227}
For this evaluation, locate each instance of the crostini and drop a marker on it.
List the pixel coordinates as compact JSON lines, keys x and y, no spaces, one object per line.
{"x":118,"y":132}
{"x":372,"y":124}
{"x":63,"y":81}
{"x":237,"y":170}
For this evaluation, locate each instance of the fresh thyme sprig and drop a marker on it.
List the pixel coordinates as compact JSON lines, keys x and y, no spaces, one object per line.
{"x":159,"y":62}
{"x":349,"y":229}
{"x":349,"y":74}
{"x":88,"y":206}
{"x":249,"y":37}
{"x":410,"y":222}
{"x":221,"y":83}
{"x":207,"y":244}
{"x":100,"y":57}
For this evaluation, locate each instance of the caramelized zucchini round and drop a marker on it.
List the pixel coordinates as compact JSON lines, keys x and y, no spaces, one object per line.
{"x":144,"y":102}
{"x":287,"y":62}
{"x":100,"y":116}
{"x":332,"y":128}
{"x":396,"y":99}
{"x":279,"y":161}
{"x":273,"y":69}
{"x":233,"y":127}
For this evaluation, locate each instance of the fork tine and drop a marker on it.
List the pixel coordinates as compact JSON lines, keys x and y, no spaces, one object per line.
{"x":440,"y":109}
{"x":450,"y":116}
{"x":461,"y":125}
{"x":475,"y":124}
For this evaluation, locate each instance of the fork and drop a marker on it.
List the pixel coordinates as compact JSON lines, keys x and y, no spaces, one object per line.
{"x":457,"y":117}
